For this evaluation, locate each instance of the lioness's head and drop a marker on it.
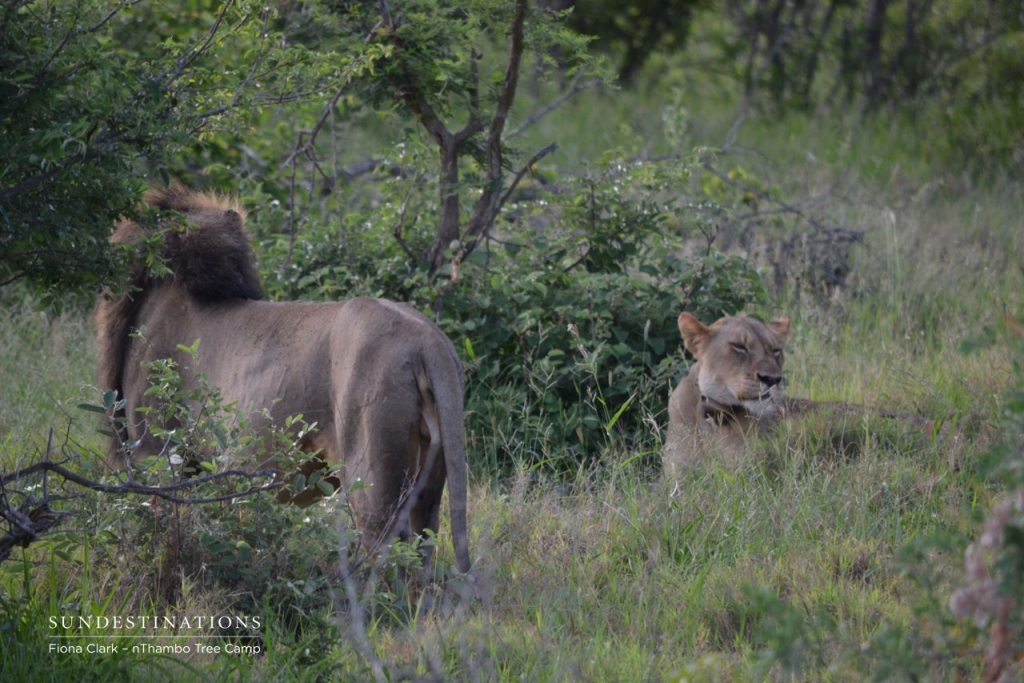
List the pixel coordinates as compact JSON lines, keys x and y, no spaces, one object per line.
{"x":740,"y":361}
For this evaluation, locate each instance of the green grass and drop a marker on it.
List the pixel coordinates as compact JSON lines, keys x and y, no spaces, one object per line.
{"x":801,"y":560}
{"x":49,"y":368}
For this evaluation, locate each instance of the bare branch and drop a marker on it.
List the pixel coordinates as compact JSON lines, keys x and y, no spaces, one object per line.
{"x":13,"y":278}
{"x":473,"y":126}
{"x":474,"y":90}
{"x":400,"y":225}
{"x":385,"y":13}
{"x":41,"y":74}
{"x":788,"y":208}
{"x":527,"y":167}
{"x":355,"y":616}
{"x":113,"y":13}
{"x":291,"y":202}
{"x":29,"y":523}
{"x":573,"y":89}
{"x":28,"y":526}
{"x":490,"y":201}
{"x":337,"y":179}
{"x":508,"y":91}
{"x":31,"y":182}
{"x":323,"y":117}
{"x":734,"y":129}
{"x":163,"y":492}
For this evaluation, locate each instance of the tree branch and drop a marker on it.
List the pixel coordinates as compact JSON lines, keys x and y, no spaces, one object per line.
{"x":508,"y":91}
{"x":113,"y":13}
{"x":491,"y":199}
{"x":28,"y":526}
{"x":525,"y":169}
{"x":400,"y":224}
{"x":193,"y":54}
{"x":163,"y":492}
{"x":573,"y":89}
{"x":30,"y":183}
{"x":473,"y":126}
{"x":29,"y":523}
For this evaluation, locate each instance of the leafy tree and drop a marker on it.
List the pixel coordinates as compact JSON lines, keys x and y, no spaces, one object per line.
{"x":427,"y":59}
{"x":91,"y":94}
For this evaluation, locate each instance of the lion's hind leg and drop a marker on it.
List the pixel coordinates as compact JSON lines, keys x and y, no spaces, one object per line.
{"x":421,"y":505}
{"x":317,"y":446}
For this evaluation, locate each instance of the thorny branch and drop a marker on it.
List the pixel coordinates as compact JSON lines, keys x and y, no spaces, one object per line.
{"x":163,"y":492}
{"x":32,"y":520}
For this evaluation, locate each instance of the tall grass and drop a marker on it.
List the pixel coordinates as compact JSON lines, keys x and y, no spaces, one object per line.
{"x":48,"y":368}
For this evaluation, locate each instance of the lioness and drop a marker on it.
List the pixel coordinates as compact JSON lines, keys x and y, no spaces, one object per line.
{"x":382,"y":382}
{"x":735,"y":389}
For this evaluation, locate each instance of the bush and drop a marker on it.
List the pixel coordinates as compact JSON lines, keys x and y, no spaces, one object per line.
{"x":565,"y":316}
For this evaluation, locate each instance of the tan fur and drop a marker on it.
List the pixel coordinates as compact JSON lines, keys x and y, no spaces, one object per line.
{"x":382,"y":382}
{"x":735,"y":390}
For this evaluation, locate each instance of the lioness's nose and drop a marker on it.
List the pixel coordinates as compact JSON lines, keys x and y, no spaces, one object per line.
{"x":769,"y":380}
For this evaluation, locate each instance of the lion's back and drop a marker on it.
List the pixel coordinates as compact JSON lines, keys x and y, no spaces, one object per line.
{"x":389,"y":330}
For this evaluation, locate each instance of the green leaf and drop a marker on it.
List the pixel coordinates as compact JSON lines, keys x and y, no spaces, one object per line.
{"x":615,"y":418}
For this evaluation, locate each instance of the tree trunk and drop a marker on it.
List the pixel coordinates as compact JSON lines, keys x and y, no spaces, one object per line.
{"x":873,"y":51}
{"x":448,"y":223}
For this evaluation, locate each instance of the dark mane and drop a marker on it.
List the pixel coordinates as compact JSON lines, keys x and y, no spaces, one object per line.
{"x":209,"y":255}
{"x":212,"y":260}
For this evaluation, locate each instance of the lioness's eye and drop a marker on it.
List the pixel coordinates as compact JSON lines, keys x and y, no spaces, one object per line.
{"x":777,"y":353}
{"x":738,"y":348}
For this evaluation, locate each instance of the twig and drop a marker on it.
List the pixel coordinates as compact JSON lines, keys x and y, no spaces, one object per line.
{"x":355,"y":609}
{"x":569,"y":93}
{"x":264,"y":32}
{"x":30,"y":183}
{"x":764,"y":196}
{"x":192,"y":55}
{"x":13,"y":278}
{"x":343,"y":231}
{"x":400,"y":225}
{"x":553,"y":147}
{"x":28,"y":527}
{"x":113,"y":12}
{"x":158,"y":491}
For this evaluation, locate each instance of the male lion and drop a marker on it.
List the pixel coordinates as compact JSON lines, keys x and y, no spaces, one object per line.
{"x":734,"y":389}
{"x":382,"y":382}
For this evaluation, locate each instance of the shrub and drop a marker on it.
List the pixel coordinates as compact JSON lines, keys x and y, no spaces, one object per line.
{"x":565,"y":317}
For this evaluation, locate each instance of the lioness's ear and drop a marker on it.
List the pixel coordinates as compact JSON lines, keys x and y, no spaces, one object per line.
{"x":780,"y":327}
{"x":694,"y":333}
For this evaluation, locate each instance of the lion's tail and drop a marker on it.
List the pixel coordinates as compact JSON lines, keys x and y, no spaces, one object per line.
{"x":447,"y":388}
